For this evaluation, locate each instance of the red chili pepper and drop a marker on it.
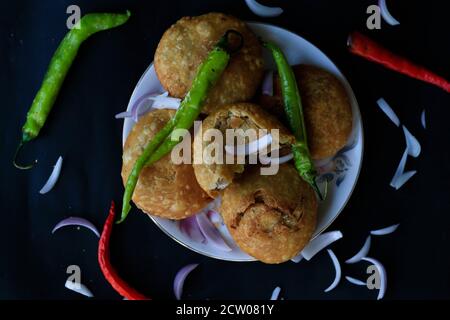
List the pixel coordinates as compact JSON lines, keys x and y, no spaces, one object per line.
{"x":108,"y":270}
{"x":369,"y":49}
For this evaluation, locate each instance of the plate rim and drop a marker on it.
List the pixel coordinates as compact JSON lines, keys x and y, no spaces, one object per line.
{"x":251,"y":259}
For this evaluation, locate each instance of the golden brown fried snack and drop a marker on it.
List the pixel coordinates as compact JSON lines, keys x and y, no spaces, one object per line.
{"x":186,"y":44}
{"x":215,"y":177}
{"x":327,"y":109}
{"x":163,"y":189}
{"x":271,"y":218}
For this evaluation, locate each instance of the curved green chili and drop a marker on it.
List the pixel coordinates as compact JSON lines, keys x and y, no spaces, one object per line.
{"x":207,"y":75}
{"x":57,"y":71}
{"x":294,"y":111}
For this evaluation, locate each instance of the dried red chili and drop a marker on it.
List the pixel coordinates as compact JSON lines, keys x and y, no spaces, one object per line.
{"x":369,"y":49}
{"x":108,"y":270}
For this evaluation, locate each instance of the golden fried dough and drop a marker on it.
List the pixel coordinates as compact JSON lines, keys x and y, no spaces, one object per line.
{"x":272,"y":217}
{"x":327,"y":109}
{"x":214,"y":177}
{"x":163,"y":189}
{"x":186,"y":44}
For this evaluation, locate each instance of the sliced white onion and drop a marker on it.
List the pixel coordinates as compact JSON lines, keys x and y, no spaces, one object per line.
{"x":214,"y":217}
{"x":210,"y":232}
{"x":267,"y":85}
{"x":400,"y":169}
{"x":386,"y":14}
{"x":78,"y":288}
{"x":384,"y":106}
{"x":159,"y":101}
{"x":275,"y":293}
{"x":190,"y":227}
{"x":401,"y":180}
{"x":76,"y":221}
{"x":297,"y":258}
{"x":356,"y":281}
{"x":180,"y":277}
{"x":263,"y":11}
{"x":249,"y":148}
{"x":337,"y":267}
{"x":385,"y":231}
{"x":320,"y":242}
{"x":422,"y":119}
{"x":268,"y":160}
{"x":412,"y":144}
{"x":362,"y":252}
{"x":122,"y":115}
{"x":53,"y":177}
{"x":382,"y":274}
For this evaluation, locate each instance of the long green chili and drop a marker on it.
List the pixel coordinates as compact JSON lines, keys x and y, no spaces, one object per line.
{"x":294,"y":111}
{"x":57,"y":71}
{"x":207,"y":75}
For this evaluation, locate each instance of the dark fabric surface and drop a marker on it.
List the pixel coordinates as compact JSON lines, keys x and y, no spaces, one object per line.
{"x":83,"y":130}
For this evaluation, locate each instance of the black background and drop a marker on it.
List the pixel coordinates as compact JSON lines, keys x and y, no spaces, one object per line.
{"x":83,"y":130}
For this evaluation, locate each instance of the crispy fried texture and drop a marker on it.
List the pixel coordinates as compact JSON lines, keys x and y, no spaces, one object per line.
{"x":327,"y":109}
{"x":271,"y":217}
{"x":163,"y":189}
{"x":214,"y":177}
{"x":186,"y":44}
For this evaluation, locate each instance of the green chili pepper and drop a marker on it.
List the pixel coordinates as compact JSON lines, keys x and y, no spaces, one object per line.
{"x":57,"y":71}
{"x":207,"y":75}
{"x":294,"y":111}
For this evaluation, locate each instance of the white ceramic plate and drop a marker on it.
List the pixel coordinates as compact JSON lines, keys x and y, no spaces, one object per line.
{"x":342,"y":171}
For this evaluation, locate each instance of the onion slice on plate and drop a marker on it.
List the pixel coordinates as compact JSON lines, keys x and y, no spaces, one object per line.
{"x":275,"y":293}
{"x":214,"y":217}
{"x":267,"y":85}
{"x":249,"y":148}
{"x":362,"y":252}
{"x":356,"y":281}
{"x":385,"y":231}
{"x":210,"y":232}
{"x":122,"y":115}
{"x":297,"y":258}
{"x":190,"y":227}
{"x":263,"y":11}
{"x":76,"y":221}
{"x":53,"y":177}
{"x":412,"y":144}
{"x":386,"y":108}
{"x":382,"y":274}
{"x":337,"y":267}
{"x":78,"y":288}
{"x":423,"y":120}
{"x":320,"y":242}
{"x":387,"y":16}
{"x":180,"y":277}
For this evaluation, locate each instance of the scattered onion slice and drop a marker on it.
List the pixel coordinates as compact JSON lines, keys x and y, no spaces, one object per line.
{"x":160,"y":101}
{"x":297,"y":258}
{"x":210,"y":232}
{"x":275,"y":293}
{"x":180,"y":277}
{"x":267,"y":85}
{"x":76,"y":221}
{"x":267,"y":160}
{"x":386,"y":14}
{"x":422,"y":119}
{"x":403,"y":179}
{"x":362,"y":252}
{"x":190,"y":227}
{"x":53,"y":177}
{"x":215,"y":217}
{"x":412,"y":144}
{"x":263,"y":11}
{"x":122,"y":115}
{"x":382,"y":273}
{"x":78,"y":288}
{"x":385,"y":231}
{"x":356,"y":281}
{"x":384,"y":106}
{"x":400,"y":169}
{"x":319,"y":243}
{"x":337,"y":267}
{"x":249,"y":148}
